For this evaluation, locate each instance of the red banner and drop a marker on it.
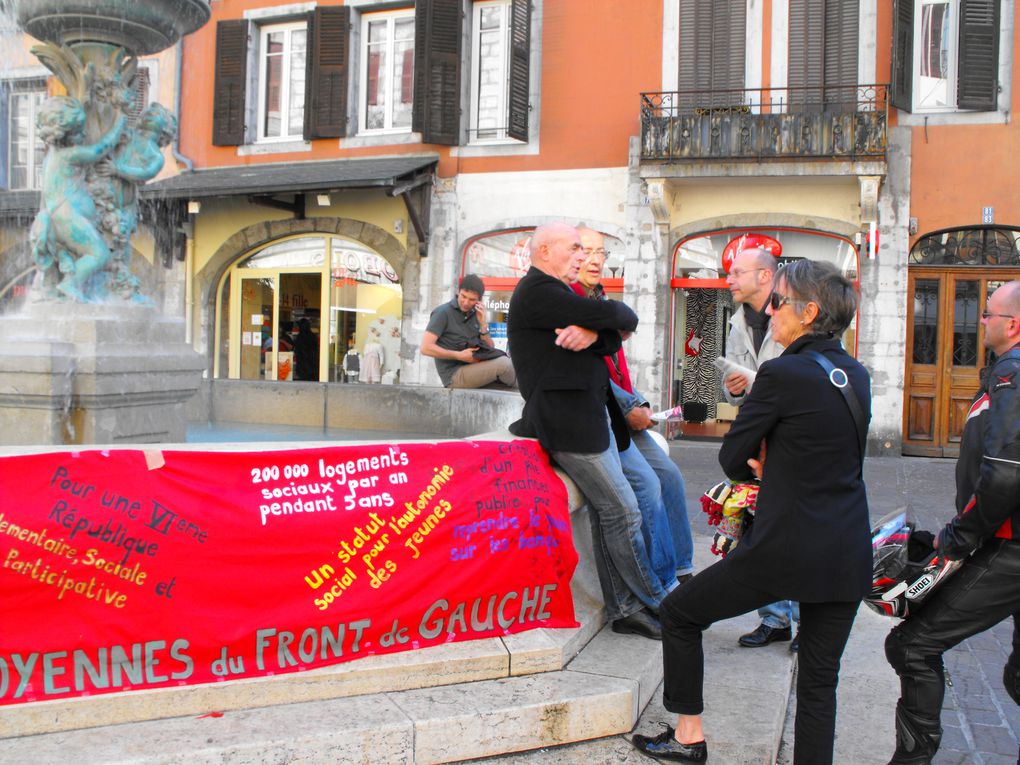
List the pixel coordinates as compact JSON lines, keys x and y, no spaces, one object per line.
{"x":129,"y":569}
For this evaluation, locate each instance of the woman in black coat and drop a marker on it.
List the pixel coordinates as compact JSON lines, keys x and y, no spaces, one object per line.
{"x":810,"y":540}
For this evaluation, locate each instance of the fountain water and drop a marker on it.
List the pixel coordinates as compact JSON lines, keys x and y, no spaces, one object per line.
{"x":90,"y":360}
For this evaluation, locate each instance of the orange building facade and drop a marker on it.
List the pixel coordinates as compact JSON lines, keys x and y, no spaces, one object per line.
{"x":347,"y":162}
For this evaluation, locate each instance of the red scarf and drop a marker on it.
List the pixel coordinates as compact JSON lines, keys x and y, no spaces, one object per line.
{"x":617,"y":363}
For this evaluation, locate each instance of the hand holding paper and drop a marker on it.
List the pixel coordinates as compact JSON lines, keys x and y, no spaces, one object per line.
{"x":729,"y":369}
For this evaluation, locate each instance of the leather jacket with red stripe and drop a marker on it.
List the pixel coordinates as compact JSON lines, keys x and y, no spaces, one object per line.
{"x":988,"y":470}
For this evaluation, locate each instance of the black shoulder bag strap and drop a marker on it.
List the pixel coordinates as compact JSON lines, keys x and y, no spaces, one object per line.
{"x":839,"y":378}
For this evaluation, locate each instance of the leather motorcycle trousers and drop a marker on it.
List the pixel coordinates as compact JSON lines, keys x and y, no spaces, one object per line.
{"x":982,"y":593}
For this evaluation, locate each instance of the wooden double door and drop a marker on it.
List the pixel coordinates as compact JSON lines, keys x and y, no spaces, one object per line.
{"x":944,"y":354}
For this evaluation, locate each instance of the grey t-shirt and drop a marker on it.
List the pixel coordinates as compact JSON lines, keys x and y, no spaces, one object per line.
{"x":454,"y":332}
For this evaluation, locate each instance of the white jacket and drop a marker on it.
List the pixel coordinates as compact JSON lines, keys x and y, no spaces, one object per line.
{"x":740,"y":349}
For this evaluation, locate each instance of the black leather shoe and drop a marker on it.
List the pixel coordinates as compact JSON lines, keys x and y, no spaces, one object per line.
{"x":666,"y":747}
{"x":683,"y":579}
{"x":639,"y":623}
{"x":764,"y":635}
{"x":795,"y":643}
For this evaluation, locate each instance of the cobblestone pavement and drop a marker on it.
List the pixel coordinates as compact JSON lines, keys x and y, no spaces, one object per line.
{"x":981,"y":721}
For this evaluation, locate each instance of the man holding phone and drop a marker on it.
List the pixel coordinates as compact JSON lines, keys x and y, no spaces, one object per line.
{"x":457,"y":337}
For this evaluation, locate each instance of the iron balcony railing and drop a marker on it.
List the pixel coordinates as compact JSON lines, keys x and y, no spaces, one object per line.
{"x":848,"y":122}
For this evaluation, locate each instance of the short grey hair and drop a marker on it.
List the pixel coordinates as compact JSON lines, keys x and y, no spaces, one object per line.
{"x":762,"y":258}
{"x":821,"y":283}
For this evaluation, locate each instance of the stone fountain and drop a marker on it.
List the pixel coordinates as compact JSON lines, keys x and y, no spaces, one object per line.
{"x":90,"y":360}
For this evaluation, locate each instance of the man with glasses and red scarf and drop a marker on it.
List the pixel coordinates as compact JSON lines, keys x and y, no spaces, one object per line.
{"x":749,"y":345}
{"x":655,"y":478}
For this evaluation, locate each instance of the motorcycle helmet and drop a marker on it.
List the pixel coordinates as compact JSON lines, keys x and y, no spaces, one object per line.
{"x":906,"y":567}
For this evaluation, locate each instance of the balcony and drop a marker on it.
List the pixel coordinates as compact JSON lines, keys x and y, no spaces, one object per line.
{"x":765,"y":124}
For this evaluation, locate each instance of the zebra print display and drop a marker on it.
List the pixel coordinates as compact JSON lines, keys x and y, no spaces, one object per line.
{"x":707,"y":312}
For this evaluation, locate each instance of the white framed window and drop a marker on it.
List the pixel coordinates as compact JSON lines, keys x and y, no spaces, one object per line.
{"x":387,"y":71}
{"x":281,"y":81}
{"x":936,"y":32}
{"x":490,"y":71}
{"x":25,"y":150}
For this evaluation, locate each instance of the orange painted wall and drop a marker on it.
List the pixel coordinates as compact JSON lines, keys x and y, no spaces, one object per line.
{"x":958,"y":169}
{"x":597,"y":56}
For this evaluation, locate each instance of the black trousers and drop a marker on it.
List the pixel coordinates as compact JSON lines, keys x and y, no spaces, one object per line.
{"x":713,"y":595}
{"x":981,"y":594}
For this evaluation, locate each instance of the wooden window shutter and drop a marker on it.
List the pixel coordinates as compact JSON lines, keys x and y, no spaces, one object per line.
{"x":437,"y":43}
{"x":901,"y":90}
{"x":977,"y":84}
{"x":841,"y":45}
{"x":519,"y":100}
{"x":230,"y":83}
{"x":823,"y":51}
{"x":711,"y":57}
{"x":329,"y":35}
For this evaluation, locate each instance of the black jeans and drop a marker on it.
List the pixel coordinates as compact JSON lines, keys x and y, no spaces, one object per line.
{"x":981,"y":594}
{"x":714,"y":595}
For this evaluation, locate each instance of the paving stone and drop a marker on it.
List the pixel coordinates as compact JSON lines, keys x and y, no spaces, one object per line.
{"x":994,"y":739}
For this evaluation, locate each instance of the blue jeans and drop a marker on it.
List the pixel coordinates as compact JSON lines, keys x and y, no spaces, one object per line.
{"x":675,"y":503}
{"x":655,"y":526}
{"x":621,"y":557}
{"x":780,"y":614}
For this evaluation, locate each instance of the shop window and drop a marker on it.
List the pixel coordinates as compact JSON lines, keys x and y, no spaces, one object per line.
{"x":501,"y":258}
{"x":945,"y":55}
{"x":349,"y":295}
{"x":23,"y":147}
{"x":702,"y":304}
{"x":500,"y":52}
{"x":387,"y":66}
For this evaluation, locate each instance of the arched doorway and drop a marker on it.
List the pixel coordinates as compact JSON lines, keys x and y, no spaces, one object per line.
{"x":950,"y":276}
{"x":343,"y":292}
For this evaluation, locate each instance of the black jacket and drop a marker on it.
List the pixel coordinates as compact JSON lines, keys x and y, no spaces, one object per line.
{"x":811,"y":537}
{"x":565,"y":392}
{"x":988,"y":469}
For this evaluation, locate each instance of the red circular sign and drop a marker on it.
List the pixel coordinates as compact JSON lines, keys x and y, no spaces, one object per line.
{"x":749,"y":242}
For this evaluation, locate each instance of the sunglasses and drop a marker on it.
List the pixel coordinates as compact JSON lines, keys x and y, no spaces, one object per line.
{"x":777,"y":301}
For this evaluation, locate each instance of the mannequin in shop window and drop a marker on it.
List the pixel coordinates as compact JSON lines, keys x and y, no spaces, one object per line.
{"x":306,"y":352}
{"x":351,"y":364}
{"x":373,"y":358}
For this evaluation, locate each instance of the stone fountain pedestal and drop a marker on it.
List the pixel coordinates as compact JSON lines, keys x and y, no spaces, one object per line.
{"x":74,"y":373}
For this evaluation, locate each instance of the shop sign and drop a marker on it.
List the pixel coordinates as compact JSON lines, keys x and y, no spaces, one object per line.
{"x":127,"y":569}
{"x":360,"y":266}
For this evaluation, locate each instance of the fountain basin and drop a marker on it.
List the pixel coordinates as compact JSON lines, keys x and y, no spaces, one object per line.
{"x":140,"y":27}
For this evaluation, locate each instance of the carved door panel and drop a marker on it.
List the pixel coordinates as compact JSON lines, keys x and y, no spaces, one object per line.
{"x":944,"y":354}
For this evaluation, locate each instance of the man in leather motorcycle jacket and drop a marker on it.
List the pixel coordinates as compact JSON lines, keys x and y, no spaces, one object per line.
{"x":985,"y":534}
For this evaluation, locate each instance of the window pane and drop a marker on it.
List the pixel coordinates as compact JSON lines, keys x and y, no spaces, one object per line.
{"x":375,"y":111}
{"x":403,"y":83}
{"x":935,"y":52}
{"x":490,"y":75}
{"x":296,"y":111}
{"x":273,"y":90}
{"x":926,"y":320}
{"x":966,"y":309}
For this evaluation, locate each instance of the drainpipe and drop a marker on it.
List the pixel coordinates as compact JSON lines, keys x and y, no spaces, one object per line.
{"x":189,"y":228}
{"x":188,"y":164}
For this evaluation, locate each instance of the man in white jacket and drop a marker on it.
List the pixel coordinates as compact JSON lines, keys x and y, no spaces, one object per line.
{"x":750,"y":344}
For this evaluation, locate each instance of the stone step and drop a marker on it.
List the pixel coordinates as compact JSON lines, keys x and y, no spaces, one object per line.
{"x":601,"y":693}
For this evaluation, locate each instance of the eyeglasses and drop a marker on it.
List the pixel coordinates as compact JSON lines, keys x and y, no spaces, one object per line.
{"x":777,"y":301}
{"x":989,"y":314}
{"x":736,"y":273}
{"x":594,"y":251}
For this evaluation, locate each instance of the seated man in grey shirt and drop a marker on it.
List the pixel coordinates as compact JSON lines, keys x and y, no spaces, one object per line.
{"x":457,"y":337}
